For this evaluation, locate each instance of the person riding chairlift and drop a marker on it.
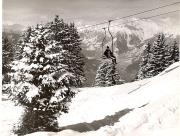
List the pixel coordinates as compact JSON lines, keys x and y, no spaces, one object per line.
{"x":108,"y":53}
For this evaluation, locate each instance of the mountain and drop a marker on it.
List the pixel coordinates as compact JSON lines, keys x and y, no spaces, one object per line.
{"x":129,"y":41}
{"x":15,"y":28}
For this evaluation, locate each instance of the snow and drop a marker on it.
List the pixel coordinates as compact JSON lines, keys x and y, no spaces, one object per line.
{"x":27,"y":49}
{"x":154,"y":103}
{"x":148,"y":120}
{"x":95,"y":99}
{"x":47,"y":79}
{"x":117,"y":98}
{"x":10,"y":115}
{"x":64,"y":75}
{"x":30,"y":94}
{"x":34,"y":91}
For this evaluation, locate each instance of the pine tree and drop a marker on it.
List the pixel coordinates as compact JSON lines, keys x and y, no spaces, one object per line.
{"x":107,"y":74}
{"x":142,"y":73}
{"x":71,"y":43}
{"x":112,"y":76}
{"x":157,"y":62}
{"x":157,"y":58}
{"x":173,"y":54}
{"x":101,"y":74}
{"x":75,"y":55}
{"x":43,"y":78}
{"x":7,"y":57}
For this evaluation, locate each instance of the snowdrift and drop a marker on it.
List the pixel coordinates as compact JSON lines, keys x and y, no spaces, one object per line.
{"x":145,"y":108}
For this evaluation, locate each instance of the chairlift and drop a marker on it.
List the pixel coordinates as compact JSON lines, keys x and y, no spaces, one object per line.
{"x":102,"y":45}
{"x":112,"y":45}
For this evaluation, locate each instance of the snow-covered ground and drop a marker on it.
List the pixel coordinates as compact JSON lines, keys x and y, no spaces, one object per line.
{"x":144,"y":108}
{"x":10,"y":116}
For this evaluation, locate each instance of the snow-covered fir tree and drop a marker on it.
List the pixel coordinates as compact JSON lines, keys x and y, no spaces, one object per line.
{"x":143,"y":66}
{"x":44,"y":77}
{"x":107,"y":74}
{"x":71,"y":43}
{"x":158,"y":57}
{"x":112,"y":76}
{"x":101,"y":74}
{"x":7,"y":57}
{"x":175,"y":52}
{"x":172,"y":54}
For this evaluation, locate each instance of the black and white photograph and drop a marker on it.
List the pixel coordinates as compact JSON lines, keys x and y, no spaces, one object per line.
{"x":90,"y":68}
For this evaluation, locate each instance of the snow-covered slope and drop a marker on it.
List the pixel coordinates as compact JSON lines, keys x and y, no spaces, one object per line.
{"x":96,"y":103}
{"x":154,"y":105}
{"x":149,"y":107}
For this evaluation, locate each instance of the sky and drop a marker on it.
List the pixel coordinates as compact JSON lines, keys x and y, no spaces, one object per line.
{"x":31,"y":12}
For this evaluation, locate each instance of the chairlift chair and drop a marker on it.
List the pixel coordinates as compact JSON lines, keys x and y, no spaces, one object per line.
{"x":112,"y":44}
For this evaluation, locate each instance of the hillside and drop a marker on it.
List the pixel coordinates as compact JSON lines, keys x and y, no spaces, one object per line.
{"x":148,"y":107}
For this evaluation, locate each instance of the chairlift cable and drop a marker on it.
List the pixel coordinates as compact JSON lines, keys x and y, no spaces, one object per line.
{"x":138,"y":13}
